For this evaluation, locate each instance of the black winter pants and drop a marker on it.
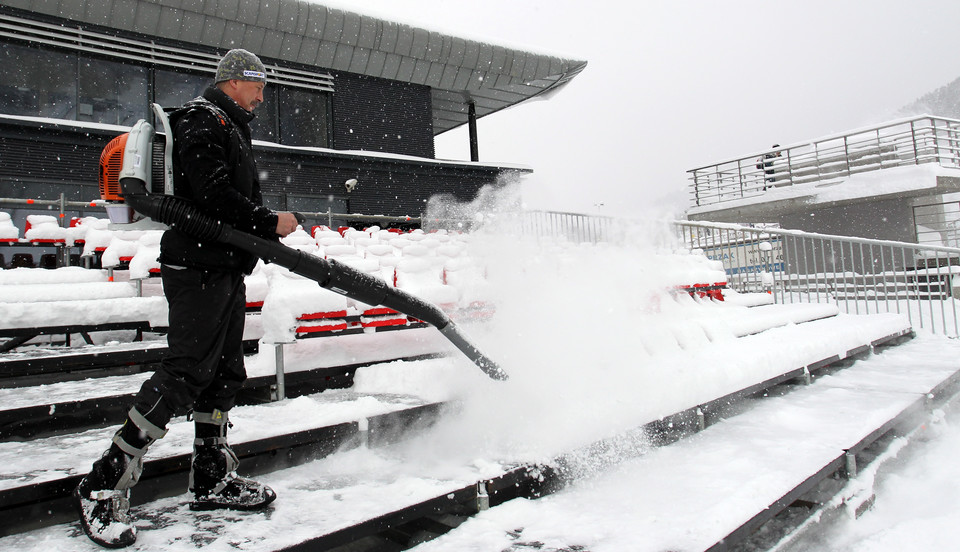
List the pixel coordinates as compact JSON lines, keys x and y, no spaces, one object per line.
{"x":204,"y":368}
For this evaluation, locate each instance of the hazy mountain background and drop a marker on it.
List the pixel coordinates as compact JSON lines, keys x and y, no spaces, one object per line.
{"x":943,"y":102}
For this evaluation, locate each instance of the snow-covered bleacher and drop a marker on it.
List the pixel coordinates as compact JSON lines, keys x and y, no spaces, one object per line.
{"x":700,"y":345}
{"x":72,"y":300}
{"x":8,"y":231}
{"x":433,"y":266}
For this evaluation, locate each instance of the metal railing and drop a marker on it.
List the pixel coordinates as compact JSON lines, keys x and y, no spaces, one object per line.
{"x":63,"y":207}
{"x":575,"y":227}
{"x":916,"y":141}
{"x":860,"y":276}
{"x":938,"y":223}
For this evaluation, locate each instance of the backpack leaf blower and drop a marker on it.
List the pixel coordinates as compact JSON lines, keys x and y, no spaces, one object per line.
{"x":127,"y":184}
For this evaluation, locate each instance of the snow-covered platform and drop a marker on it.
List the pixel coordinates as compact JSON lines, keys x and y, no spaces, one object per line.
{"x":681,"y":356}
{"x":366,"y":490}
{"x":76,"y":393}
{"x":28,"y":409}
{"x":39,"y":474}
{"x":711,"y":490}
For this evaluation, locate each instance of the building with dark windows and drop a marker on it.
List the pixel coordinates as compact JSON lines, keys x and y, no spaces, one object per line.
{"x":348,"y":96}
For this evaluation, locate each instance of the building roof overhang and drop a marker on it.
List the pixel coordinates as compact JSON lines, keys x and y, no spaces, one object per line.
{"x":459,"y":71}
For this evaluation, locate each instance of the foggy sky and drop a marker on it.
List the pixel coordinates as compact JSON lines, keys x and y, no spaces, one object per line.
{"x":675,"y":85}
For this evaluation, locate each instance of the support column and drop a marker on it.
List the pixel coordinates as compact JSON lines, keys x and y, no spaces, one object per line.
{"x":280,"y":388}
{"x":472,"y":124}
{"x":849,"y":465}
{"x":483,"y":498}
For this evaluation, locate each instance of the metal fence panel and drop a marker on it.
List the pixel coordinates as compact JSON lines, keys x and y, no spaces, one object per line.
{"x":860,"y":276}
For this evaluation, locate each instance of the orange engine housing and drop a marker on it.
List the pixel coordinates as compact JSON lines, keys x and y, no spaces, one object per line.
{"x":111,"y":161}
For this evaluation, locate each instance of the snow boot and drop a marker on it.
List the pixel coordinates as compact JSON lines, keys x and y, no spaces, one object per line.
{"x":103,"y":496}
{"x":213,"y":472}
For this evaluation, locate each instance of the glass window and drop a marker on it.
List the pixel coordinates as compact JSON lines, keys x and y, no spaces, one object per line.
{"x":315,"y":209}
{"x":277,"y":202}
{"x":46,"y":83}
{"x":315,"y":204}
{"x":38,"y":83}
{"x":303,"y":121}
{"x":174,"y":89}
{"x":111,"y":92}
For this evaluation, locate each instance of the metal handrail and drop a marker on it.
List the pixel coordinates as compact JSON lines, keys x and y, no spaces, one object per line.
{"x":63,"y":205}
{"x":914,"y":141}
{"x":859,"y":275}
{"x":574,"y":227}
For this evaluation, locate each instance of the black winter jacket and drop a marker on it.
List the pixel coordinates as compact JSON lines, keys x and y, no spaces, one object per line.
{"x":214,"y":167}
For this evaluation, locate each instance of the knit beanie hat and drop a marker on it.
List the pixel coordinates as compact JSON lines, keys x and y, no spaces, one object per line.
{"x":239,"y":64}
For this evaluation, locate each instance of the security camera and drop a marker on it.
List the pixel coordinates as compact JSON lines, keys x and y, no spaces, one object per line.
{"x":350,"y":184}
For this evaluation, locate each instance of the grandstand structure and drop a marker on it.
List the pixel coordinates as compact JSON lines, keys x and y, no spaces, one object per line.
{"x":761,"y":341}
{"x":330,"y":377}
{"x":350,"y":97}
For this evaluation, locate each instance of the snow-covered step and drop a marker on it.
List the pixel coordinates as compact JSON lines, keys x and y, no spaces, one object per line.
{"x":47,"y":459}
{"x":362,"y":492}
{"x":800,"y":344}
{"x":76,"y":405}
{"x":36,"y":475}
{"x":323,"y":503}
{"x":39,"y":364}
{"x":706,"y":370}
{"x":709,"y":490}
{"x":808,"y":336}
{"x":807,"y":345}
{"x":749,"y":319}
{"x":42,"y":364}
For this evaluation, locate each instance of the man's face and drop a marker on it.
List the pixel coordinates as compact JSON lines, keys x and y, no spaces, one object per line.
{"x":247,"y":94}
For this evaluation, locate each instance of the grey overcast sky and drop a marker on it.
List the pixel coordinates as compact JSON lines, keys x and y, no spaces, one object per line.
{"x":676,"y":84}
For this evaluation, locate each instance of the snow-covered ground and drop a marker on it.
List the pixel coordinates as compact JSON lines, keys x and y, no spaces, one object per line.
{"x":918,"y":501}
{"x":689,"y":495}
{"x":595,"y":346}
